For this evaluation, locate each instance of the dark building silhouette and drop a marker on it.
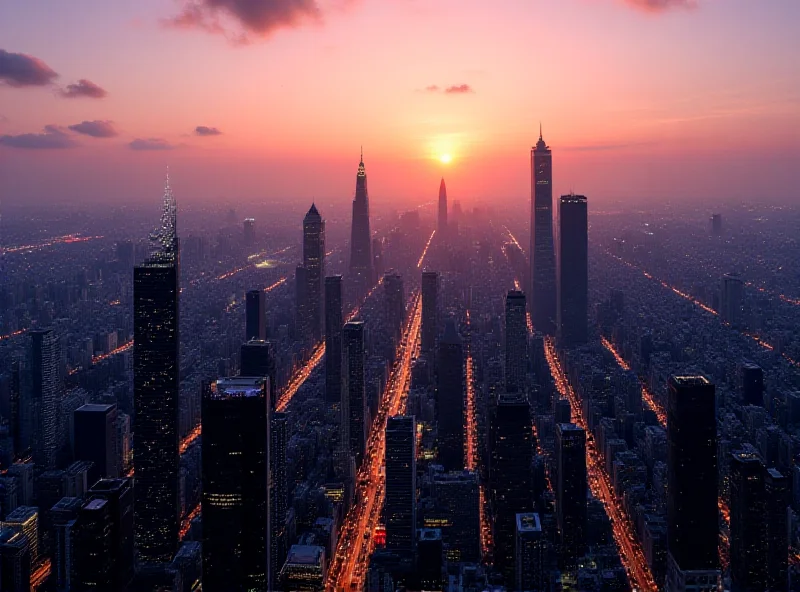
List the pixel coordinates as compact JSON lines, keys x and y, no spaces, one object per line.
{"x":119,"y":495}
{"x":777,"y":490}
{"x":15,"y":392}
{"x":430,"y":559}
{"x":249,"y":232}
{"x":314,"y":263}
{"x":46,"y":395}
{"x":258,"y":359}
{"x":255,"y":325}
{"x":302,"y":315}
{"x":354,"y":400}
{"x":400,"y":506}
{"x":235,"y":501}
{"x":450,"y":399}
{"x":430,"y":297}
{"x":156,"y":384}
{"x":543,"y":263}
{"x":752,"y":381}
{"x":531,"y":554}
{"x":63,"y":516}
{"x":442,"y":219}
{"x":716,"y":224}
{"x":731,"y":299}
{"x":395,"y":304}
{"x":692,"y":529}
{"x":93,"y":548}
{"x":510,"y":476}
{"x":573,"y":270}
{"x":516,"y":342}
{"x":360,"y":238}
{"x":748,"y":529}
{"x":334,"y":320}
{"x":96,"y":440}
{"x":279,"y":495}
{"x":15,"y":560}
{"x":571,"y":492}
{"x":457,"y":501}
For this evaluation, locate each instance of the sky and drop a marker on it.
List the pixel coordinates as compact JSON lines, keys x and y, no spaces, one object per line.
{"x":272,"y":100}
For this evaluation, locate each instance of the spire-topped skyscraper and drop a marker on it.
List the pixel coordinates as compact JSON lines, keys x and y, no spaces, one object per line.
{"x":542,"y":253}
{"x":314,"y":262}
{"x":442,"y":228}
{"x":360,"y":237}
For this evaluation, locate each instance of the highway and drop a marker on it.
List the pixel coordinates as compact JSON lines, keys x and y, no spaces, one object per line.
{"x":425,"y":250}
{"x":349,"y":564}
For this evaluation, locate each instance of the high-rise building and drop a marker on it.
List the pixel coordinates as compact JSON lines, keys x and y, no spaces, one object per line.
{"x":542,"y":254}
{"x":731,"y":300}
{"x":255,"y":320}
{"x":15,"y":560}
{"x":430,"y":559}
{"x":302,"y":314}
{"x":442,"y":221}
{"x":46,"y":394}
{"x":334,"y":321}
{"x":354,"y":399}
{"x":119,"y":495}
{"x":752,"y":381}
{"x":510,"y":479}
{"x":279,"y":495}
{"x":400,"y":507}
{"x":530,"y":554}
{"x":93,"y":547}
{"x":96,"y":440}
{"x":571,"y":491}
{"x":258,"y":359}
{"x":450,"y":399}
{"x":692,"y":529}
{"x":516,"y":342}
{"x":716,"y":224}
{"x":314,"y":263}
{"x":455,"y":495}
{"x":304,"y":570}
{"x":14,"y":409}
{"x":156,"y":385}
{"x":430,"y":297}
{"x":573,"y":270}
{"x":236,"y":487}
{"x":26,"y":519}
{"x":361,"y":237}
{"x":62,"y":517}
{"x":249,"y":232}
{"x":395,"y":304}
{"x":777,"y":493}
{"x":748,"y":551}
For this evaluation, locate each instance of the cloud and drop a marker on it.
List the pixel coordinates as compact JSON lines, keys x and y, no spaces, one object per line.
{"x":96,"y":129}
{"x":53,"y":137}
{"x":19,"y":69}
{"x":607,"y":147}
{"x":458,"y":89}
{"x":204,"y":130}
{"x":150,"y":144}
{"x":432,"y":88}
{"x":661,"y":5}
{"x":83,"y":88}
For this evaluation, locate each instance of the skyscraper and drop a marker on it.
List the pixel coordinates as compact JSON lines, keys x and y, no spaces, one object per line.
{"x":255,"y":315}
{"x":279,"y":495}
{"x":748,"y":536}
{"x":333,"y":339}
{"x":258,"y":359}
{"x":395,"y":304}
{"x":571,"y":491}
{"x":119,"y":495}
{"x":692,"y":529}
{"x":531,"y":554}
{"x":314,"y":263}
{"x":155,"y":392}
{"x":450,"y":399}
{"x":777,"y":493}
{"x":249,"y":231}
{"x":401,"y":485}
{"x":236,"y":487}
{"x":354,"y":400}
{"x":732,"y":295}
{"x":302,"y":314}
{"x":430,"y":297}
{"x":93,"y":547}
{"x":457,"y":502}
{"x":46,"y":393}
{"x":573,"y":270}
{"x":516,"y":342}
{"x":543,"y":264}
{"x":360,"y":237}
{"x":96,"y":440}
{"x":442,"y":222}
{"x":752,"y":381}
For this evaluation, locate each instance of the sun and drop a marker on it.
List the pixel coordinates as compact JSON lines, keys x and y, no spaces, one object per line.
{"x":445,"y":158}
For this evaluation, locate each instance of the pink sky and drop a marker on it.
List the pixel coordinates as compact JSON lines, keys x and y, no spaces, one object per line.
{"x":646,"y":99}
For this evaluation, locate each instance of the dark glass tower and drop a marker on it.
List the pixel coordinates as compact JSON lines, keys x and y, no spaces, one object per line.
{"x":543,"y":264}
{"x":93,"y":547}
{"x":778,"y":494}
{"x":334,"y":321}
{"x":119,"y":495}
{"x":302,"y":315}
{"x":442,"y":221}
{"x":401,"y":485}
{"x":752,"y":376}
{"x":516,"y":342}
{"x":571,"y":491}
{"x":450,"y":399}
{"x":360,"y":237}
{"x":430,"y":296}
{"x":748,"y":523}
{"x":155,"y":393}
{"x":354,"y":400}
{"x":235,"y":503}
{"x":255,"y":315}
{"x":46,"y":394}
{"x":692,"y":529}
{"x":395,"y":304}
{"x":314,"y":263}
{"x":573,"y":270}
{"x":258,"y":359}
{"x":279,"y":495}
{"x":96,"y":440}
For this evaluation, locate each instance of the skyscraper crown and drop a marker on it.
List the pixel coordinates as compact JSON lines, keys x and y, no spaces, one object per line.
{"x":165,"y":237}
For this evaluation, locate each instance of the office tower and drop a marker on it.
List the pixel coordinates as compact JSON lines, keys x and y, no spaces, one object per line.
{"x":731,"y":300}
{"x":119,"y":495}
{"x":360,"y":237}
{"x":354,"y":400}
{"x":450,"y":399}
{"x":249,"y":232}
{"x":531,"y":554}
{"x":456,"y":497}
{"x":46,"y":393}
{"x":96,"y":440}
{"x":377,"y":256}
{"x":26,"y":519}
{"x":442,"y":221}
{"x":156,"y":384}
{"x":304,"y":570}
{"x":543,"y":264}
{"x":516,"y":342}
{"x":691,"y":484}
{"x":777,"y":492}
{"x":255,"y":323}
{"x":573,"y":270}
{"x":93,"y":547}
{"x":571,"y":491}
{"x":716,"y":224}
{"x":63,"y":516}
{"x":279,"y":495}
{"x":15,"y":392}
{"x":302,"y":314}
{"x":752,"y":381}
{"x":333,"y":339}
{"x":430,"y":297}
{"x":15,"y":560}
{"x":236,"y":487}
{"x":314,"y":263}
{"x":395,"y":304}
{"x":748,"y":528}
{"x":430,"y":559}
{"x":400,"y":506}
{"x":258,"y":359}
{"x":510,"y":475}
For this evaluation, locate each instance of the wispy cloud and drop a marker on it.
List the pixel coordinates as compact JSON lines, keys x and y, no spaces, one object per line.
{"x":606,"y":147}
{"x":150,"y":144}
{"x":96,"y":129}
{"x":83,"y":88}
{"x":53,"y":137}
{"x":19,"y":69}
{"x":204,"y":130}
{"x":432,"y":88}
{"x":458,"y":89}
{"x":655,"y":6}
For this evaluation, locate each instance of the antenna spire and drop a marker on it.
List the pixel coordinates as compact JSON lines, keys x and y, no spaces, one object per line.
{"x":540,"y":130}
{"x":362,"y":153}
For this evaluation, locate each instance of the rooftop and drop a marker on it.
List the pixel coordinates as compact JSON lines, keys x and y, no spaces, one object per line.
{"x":305,"y":555}
{"x":529,"y":522}
{"x":238,"y":387}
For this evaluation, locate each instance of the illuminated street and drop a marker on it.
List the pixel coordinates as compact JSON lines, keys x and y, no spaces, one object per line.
{"x":425,"y":250}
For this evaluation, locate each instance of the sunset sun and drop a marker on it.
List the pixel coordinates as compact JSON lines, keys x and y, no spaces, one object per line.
{"x":445,"y":158}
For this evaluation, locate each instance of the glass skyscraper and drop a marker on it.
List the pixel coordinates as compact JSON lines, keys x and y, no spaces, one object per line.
{"x":573,"y":270}
{"x":542,"y":254}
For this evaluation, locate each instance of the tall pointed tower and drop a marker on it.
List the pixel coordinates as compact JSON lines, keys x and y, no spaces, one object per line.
{"x":442,"y":227}
{"x":360,"y":237}
{"x":542,"y":252}
{"x":314,"y":262}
